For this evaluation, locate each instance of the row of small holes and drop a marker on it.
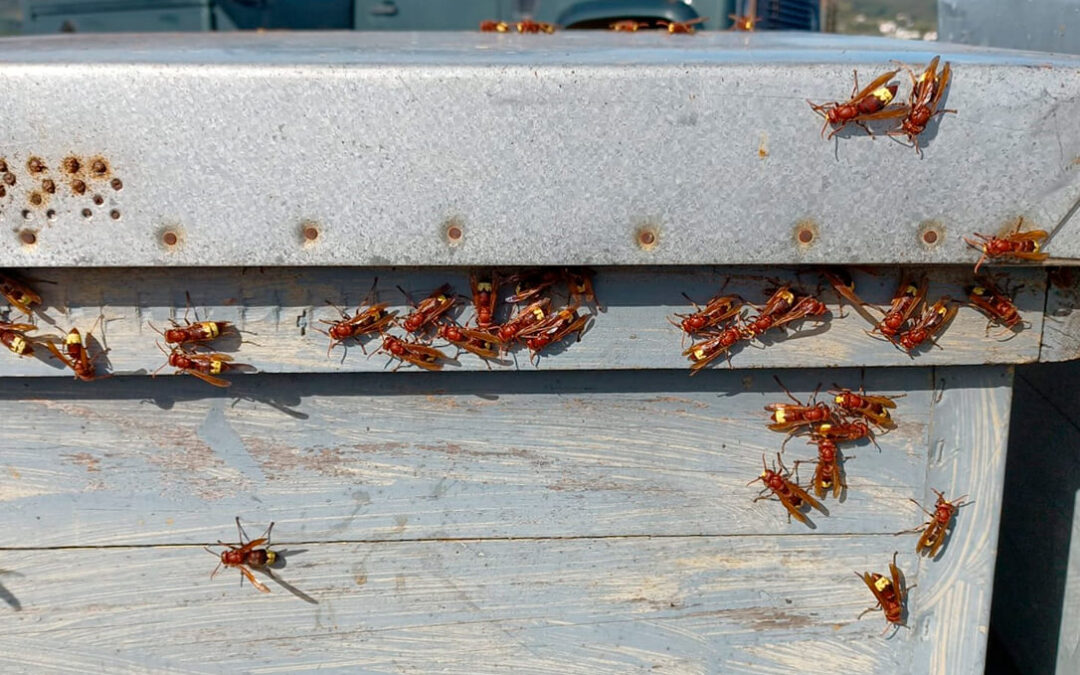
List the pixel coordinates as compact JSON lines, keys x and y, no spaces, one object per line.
{"x":27,"y":214}
{"x":647,"y":237}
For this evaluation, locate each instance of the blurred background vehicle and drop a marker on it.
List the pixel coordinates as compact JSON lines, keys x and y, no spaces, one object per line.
{"x":54,"y":16}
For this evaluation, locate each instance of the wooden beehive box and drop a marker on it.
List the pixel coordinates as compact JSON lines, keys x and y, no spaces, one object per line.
{"x":588,"y":514}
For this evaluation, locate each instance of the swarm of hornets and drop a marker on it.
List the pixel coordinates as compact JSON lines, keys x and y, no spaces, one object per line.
{"x":848,"y":419}
{"x":70,"y":349}
{"x":527,"y":318}
{"x":524,"y":318}
{"x":908,"y":322}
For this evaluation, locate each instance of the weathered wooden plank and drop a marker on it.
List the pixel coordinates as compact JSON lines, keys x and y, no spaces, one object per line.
{"x":678,"y":605}
{"x":968,"y":438}
{"x":1061,"y":325}
{"x":485,"y":454}
{"x":279,"y":310}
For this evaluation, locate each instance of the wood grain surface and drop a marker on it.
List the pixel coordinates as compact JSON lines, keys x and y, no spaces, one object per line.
{"x":572,"y":522}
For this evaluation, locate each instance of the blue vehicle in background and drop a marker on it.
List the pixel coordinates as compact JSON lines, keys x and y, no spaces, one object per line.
{"x":87,"y":16}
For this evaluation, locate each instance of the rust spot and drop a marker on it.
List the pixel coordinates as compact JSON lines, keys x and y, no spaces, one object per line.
{"x":9,"y":178}
{"x":36,"y":199}
{"x":99,"y":200}
{"x":49,"y":185}
{"x":3,"y":166}
{"x":171,"y":237}
{"x":3,"y":191}
{"x":308,"y":232}
{"x":99,"y":168}
{"x":35,"y":165}
{"x":805,"y":233}
{"x":87,"y":213}
{"x":647,"y":237}
{"x":117,"y":184}
{"x":763,"y":146}
{"x":454,"y":231}
{"x":114,"y":214}
{"x":28,"y":237}
{"x":931,"y":234}
{"x":71,"y":165}
{"x":78,"y":187}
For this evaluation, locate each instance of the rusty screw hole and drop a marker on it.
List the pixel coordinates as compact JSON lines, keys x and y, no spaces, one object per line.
{"x":930,"y":237}
{"x":806,"y":236}
{"x":114,"y":214}
{"x":35,"y":199}
{"x":71,"y":165}
{"x":170,"y":238}
{"x":3,"y":191}
{"x":28,"y":237}
{"x":454,"y":233}
{"x":27,"y":214}
{"x":87,"y":213}
{"x":99,"y":167}
{"x":99,"y":200}
{"x":117,"y":184}
{"x":9,"y":178}
{"x":78,"y":187}
{"x":49,"y":185}
{"x":311,"y":233}
{"x":35,"y":165}
{"x":647,"y":237}
{"x":3,"y":166}
{"x":50,"y":214}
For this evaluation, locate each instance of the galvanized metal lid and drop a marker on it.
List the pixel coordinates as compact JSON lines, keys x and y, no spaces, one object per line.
{"x":474,"y":149}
